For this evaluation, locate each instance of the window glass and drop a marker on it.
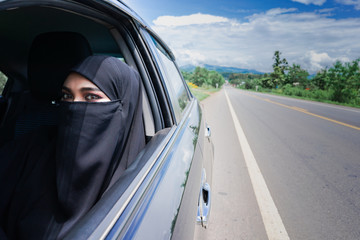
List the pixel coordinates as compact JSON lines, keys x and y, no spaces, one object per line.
{"x":174,"y":82}
{"x":3,"y":80}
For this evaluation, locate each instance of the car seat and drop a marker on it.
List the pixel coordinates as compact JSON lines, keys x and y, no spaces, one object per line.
{"x":50,"y":58}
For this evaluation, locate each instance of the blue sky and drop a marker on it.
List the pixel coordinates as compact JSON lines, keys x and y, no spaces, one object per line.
{"x":245,"y":34}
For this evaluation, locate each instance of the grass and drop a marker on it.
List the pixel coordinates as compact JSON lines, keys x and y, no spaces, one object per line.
{"x":202,"y":92}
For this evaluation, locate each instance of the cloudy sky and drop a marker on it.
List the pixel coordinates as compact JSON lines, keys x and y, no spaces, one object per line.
{"x":246,"y":33}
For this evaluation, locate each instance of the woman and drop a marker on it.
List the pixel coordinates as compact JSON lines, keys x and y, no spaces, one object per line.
{"x":100,"y":132}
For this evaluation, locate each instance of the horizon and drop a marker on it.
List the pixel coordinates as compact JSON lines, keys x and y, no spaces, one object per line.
{"x":205,"y":65}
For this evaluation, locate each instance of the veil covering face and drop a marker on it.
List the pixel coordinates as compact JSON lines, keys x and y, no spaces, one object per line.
{"x":94,"y":143}
{"x":95,"y":140}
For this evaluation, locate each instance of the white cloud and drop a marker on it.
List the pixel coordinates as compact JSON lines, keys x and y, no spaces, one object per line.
{"x":356,"y":3}
{"x":312,"y":39}
{"x":278,"y":11}
{"x":314,"y":61}
{"x":188,"y":20}
{"x":307,"y":2}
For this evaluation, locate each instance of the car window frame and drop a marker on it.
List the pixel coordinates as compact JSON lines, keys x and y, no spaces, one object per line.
{"x":163,"y":72}
{"x":152,"y":118}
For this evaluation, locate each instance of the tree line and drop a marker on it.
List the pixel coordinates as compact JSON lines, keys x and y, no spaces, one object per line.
{"x":338,"y":83}
{"x":202,"y":77}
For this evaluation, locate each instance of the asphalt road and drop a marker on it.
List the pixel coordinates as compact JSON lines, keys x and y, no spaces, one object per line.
{"x":309,"y":157}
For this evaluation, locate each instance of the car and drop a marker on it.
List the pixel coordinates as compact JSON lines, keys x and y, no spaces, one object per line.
{"x":166,"y":192}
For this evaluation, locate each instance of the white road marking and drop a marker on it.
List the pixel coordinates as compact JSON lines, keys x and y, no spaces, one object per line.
{"x":274,"y":226}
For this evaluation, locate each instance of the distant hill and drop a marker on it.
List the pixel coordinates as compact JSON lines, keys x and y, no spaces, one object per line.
{"x":220,"y":69}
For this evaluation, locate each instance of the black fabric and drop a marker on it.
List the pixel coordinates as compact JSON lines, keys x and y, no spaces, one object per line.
{"x":52,"y":182}
{"x":28,"y":196}
{"x":51,"y":55}
{"x":3,"y":104}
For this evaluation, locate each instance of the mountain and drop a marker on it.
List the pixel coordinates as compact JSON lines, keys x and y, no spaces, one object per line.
{"x":219,"y":69}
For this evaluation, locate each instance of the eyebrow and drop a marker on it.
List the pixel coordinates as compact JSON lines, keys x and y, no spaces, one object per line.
{"x":66,"y":89}
{"x":84,"y":89}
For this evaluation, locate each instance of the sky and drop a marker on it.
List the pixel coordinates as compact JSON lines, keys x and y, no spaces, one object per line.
{"x":246,"y":33}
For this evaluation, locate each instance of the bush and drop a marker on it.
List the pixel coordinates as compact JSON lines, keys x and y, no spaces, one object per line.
{"x":321,"y":94}
{"x":287,"y":89}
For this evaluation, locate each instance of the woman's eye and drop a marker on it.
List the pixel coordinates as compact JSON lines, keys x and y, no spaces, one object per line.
{"x":66,"y":96}
{"x":92,"y":97}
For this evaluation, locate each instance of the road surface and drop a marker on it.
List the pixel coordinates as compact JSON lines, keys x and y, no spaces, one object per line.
{"x":308,"y":159}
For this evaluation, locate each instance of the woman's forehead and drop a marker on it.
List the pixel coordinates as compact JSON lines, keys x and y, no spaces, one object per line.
{"x":76,"y":81}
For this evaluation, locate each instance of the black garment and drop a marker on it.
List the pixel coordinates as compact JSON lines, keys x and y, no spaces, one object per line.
{"x":52,"y":183}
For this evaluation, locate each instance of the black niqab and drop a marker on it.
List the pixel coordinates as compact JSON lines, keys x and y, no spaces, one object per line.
{"x":95,"y":142}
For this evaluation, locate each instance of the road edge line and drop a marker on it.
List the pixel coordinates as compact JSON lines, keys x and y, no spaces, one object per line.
{"x":273,"y":223}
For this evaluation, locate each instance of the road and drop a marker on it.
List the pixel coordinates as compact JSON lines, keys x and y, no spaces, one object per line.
{"x":308,"y":155}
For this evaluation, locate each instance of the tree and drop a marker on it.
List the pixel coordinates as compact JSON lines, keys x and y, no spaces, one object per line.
{"x":236,"y":81}
{"x":200,"y":76}
{"x":279,"y":67}
{"x":297,"y":76}
{"x":216,"y":79}
{"x":321,"y":79}
{"x":344,"y":81}
{"x":187,"y":76}
{"x":266,"y":82}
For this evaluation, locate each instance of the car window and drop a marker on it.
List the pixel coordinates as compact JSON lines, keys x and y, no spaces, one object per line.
{"x":3,"y":80}
{"x":175,"y":85}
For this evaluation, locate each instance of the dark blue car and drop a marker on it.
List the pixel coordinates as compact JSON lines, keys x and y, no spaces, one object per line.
{"x":166,"y":192}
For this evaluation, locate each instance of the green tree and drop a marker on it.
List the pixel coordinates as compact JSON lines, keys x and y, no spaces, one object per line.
{"x":321,"y":79}
{"x":200,"y":76}
{"x":216,"y":79}
{"x":186,"y":75}
{"x":267,"y":82}
{"x":297,"y":76}
{"x":235,"y":81}
{"x":279,"y":67}
{"x":344,"y":81}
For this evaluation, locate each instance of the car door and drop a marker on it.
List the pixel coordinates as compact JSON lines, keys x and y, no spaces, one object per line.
{"x":177,"y":184}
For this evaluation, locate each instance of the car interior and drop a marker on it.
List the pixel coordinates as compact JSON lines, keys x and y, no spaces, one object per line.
{"x":22,"y":26}
{"x":52,"y":37}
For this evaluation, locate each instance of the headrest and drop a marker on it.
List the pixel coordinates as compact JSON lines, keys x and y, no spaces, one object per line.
{"x":51,"y":57}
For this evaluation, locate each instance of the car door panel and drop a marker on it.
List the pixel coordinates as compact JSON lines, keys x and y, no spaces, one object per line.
{"x":161,"y":198}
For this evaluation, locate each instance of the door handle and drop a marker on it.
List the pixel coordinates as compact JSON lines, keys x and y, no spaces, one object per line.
{"x":204,"y":205}
{"x":208,"y":131}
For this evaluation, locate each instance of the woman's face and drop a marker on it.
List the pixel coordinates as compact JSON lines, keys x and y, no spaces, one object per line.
{"x":77,"y":88}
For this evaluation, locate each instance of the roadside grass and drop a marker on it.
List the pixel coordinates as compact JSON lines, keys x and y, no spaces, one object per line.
{"x":280,"y":92}
{"x":202,"y":92}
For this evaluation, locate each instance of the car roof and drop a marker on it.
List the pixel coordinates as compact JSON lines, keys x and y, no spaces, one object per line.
{"x":125,"y":8}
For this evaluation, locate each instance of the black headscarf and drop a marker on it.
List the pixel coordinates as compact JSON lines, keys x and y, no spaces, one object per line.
{"x":96,"y":139}
{"x":94,"y":144}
